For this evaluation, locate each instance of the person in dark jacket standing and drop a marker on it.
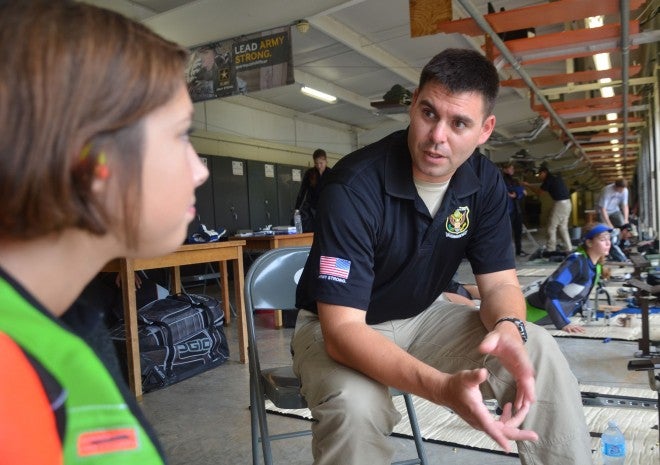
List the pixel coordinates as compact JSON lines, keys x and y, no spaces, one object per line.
{"x":561,"y":207}
{"x":308,"y":196}
{"x":516,"y":192}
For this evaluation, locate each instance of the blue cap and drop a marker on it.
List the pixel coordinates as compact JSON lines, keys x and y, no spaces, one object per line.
{"x":596,"y":230}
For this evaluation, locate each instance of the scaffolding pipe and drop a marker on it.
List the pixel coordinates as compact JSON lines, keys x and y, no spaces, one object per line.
{"x":506,"y":53}
{"x":625,"y":52}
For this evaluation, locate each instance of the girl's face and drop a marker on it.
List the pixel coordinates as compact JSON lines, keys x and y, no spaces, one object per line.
{"x":600,"y":244}
{"x":171,"y":172}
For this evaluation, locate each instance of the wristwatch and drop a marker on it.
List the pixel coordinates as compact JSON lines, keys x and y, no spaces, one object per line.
{"x":519,"y":324}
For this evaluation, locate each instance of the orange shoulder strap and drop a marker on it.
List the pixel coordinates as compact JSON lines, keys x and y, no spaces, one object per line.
{"x":27,"y":423}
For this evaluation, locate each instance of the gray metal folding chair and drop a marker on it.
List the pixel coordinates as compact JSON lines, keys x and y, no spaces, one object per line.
{"x":271,"y":284}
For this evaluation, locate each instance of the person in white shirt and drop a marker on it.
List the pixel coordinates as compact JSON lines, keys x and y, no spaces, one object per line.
{"x":613,"y":204}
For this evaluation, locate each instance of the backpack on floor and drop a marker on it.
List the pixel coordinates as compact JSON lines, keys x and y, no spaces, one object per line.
{"x":179,"y":336}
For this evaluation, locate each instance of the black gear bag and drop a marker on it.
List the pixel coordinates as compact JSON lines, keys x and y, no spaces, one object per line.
{"x":180,"y":336}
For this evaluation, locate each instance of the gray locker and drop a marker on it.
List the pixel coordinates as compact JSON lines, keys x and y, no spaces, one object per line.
{"x":230,"y":194}
{"x":262,"y":194}
{"x":289,"y":179}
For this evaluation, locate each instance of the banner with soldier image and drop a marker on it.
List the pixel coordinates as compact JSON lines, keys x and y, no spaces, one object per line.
{"x":240,"y":65}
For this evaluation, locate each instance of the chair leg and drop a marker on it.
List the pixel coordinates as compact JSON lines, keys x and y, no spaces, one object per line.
{"x":254,"y":425}
{"x":259,"y":426}
{"x":417,"y":435}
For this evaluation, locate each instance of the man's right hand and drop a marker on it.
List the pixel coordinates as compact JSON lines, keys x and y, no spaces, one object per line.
{"x":461,"y":394}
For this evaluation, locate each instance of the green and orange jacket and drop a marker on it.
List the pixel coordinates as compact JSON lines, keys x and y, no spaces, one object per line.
{"x":58,"y":402}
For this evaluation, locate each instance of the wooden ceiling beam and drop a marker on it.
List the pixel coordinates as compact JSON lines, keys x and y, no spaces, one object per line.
{"x":587,"y":112}
{"x":606,"y":137}
{"x":609,"y":153}
{"x":611,"y":159}
{"x":590,"y":103}
{"x":577,"y":77}
{"x":603,"y":122}
{"x":534,"y":16}
{"x":569,"y":44}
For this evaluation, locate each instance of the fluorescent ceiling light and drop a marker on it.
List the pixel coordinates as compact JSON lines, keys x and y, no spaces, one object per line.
{"x":602,"y":61}
{"x":613,"y":130}
{"x":606,"y":91}
{"x":611,"y":116}
{"x":614,"y":141}
{"x":595,"y":21}
{"x":317,"y":94}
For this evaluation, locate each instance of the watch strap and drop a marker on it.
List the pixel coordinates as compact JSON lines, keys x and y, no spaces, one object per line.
{"x":522,"y":329}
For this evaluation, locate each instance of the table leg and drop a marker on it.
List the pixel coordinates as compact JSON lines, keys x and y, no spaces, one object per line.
{"x":176,"y":273}
{"x":224,"y":290}
{"x":644,"y":343}
{"x":127,"y":276}
{"x":277,"y":316}
{"x":241,"y":324}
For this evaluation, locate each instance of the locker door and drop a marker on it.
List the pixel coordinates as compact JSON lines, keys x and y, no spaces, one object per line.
{"x":289,"y":179}
{"x":230,"y":194}
{"x":262,"y":194}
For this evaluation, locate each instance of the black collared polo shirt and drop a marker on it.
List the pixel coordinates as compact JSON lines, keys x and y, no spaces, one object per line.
{"x":555,"y":186}
{"x":378,"y":249}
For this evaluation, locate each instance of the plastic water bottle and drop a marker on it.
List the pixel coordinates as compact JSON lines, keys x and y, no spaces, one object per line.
{"x":297,"y":221}
{"x":613,"y":445}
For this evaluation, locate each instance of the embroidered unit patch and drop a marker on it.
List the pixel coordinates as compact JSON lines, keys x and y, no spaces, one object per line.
{"x":457,"y":223}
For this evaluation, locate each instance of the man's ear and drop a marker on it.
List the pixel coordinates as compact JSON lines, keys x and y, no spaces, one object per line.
{"x":413,"y":99}
{"x":487,"y":129}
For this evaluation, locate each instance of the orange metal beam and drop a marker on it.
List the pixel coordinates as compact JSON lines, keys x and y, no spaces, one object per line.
{"x":610,"y":153}
{"x":584,"y":124}
{"x":538,"y":15}
{"x":601,"y":136}
{"x":614,"y":169}
{"x":578,"y":77}
{"x":609,"y":160}
{"x":590,"y":103}
{"x":567,"y":39}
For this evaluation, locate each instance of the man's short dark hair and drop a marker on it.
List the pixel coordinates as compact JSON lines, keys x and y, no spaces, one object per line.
{"x":318,"y":153}
{"x":620,"y":183}
{"x":463,"y":70}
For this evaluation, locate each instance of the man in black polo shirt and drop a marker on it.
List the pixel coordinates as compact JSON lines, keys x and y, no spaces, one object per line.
{"x":395,"y":219}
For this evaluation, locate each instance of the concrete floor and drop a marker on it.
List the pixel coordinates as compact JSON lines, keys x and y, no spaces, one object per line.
{"x":205,"y":420}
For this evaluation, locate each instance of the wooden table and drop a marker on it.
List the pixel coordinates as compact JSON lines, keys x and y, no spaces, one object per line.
{"x":221,"y":252}
{"x":275,"y":242}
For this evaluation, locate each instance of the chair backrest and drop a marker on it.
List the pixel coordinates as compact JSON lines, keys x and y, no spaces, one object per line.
{"x":271,"y":284}
{"x":272,"y":279}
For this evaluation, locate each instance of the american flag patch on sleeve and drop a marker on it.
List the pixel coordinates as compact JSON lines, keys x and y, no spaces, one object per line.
{"x":333,"y":266}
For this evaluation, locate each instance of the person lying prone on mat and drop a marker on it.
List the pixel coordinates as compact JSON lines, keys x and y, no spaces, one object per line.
{"x":568,"y":288}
